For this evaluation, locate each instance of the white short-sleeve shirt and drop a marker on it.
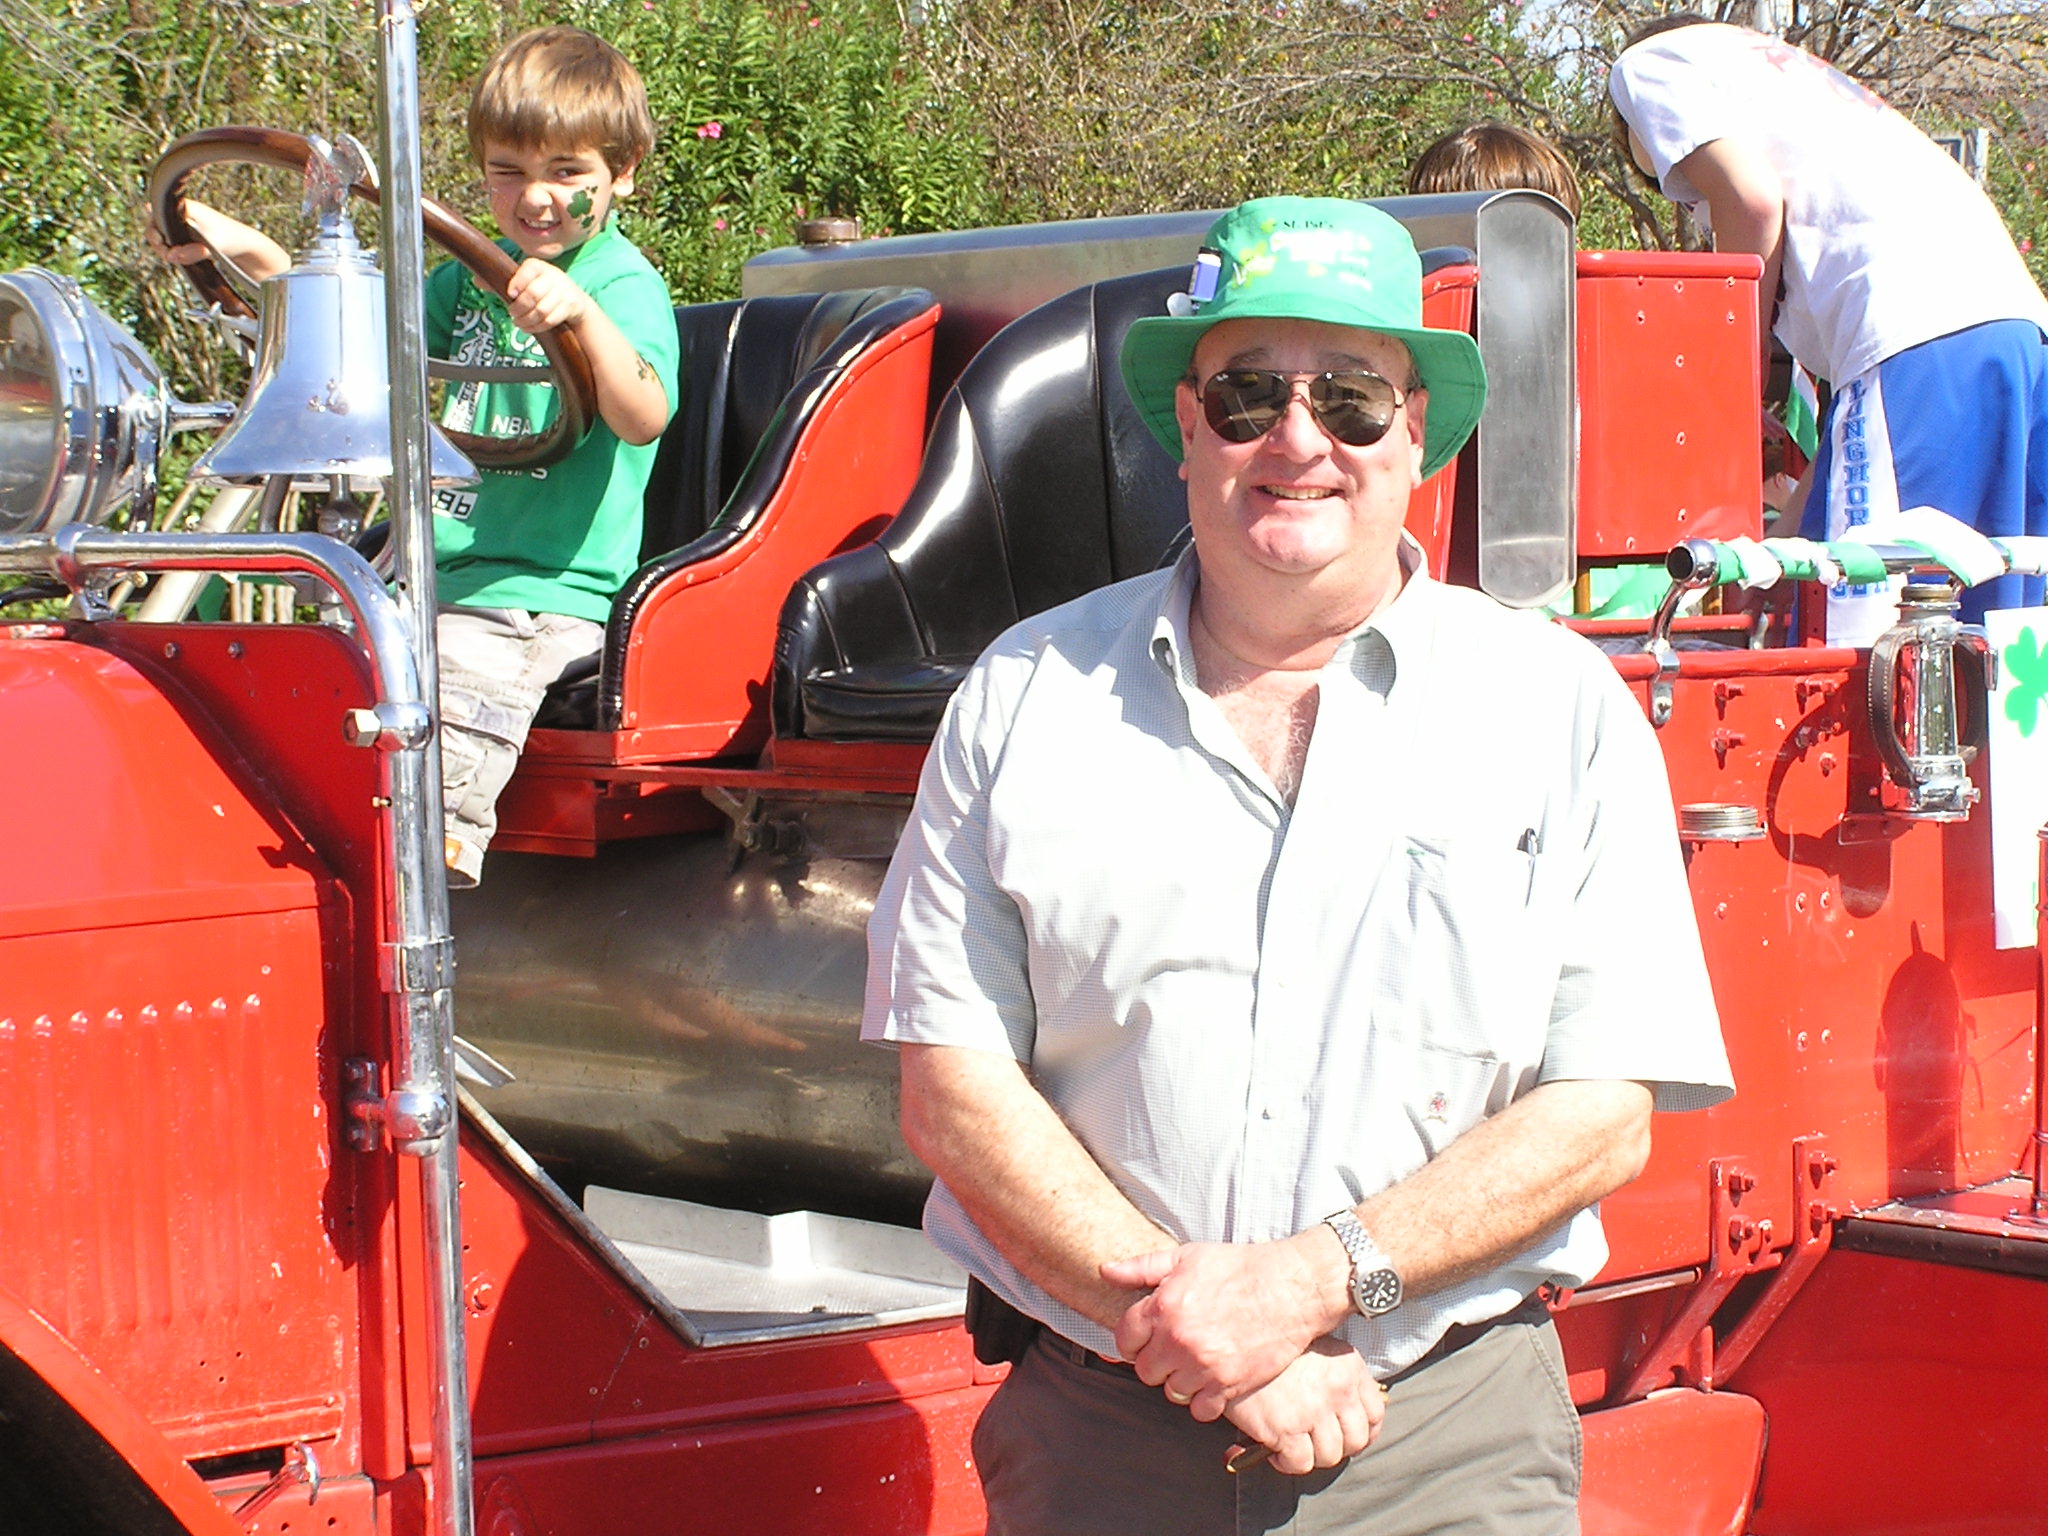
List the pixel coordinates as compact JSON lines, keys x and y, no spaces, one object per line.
{"x":1888,"y":243}
{"x":1250,"y":1016}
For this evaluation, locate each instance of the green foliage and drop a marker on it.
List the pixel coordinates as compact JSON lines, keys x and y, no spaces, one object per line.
{"x":97,"y":88}
{"x":767,"y":113}
{"x":1121,"y":106}
{"x":2017,"y":185}
{"x":44,"y":182}
{"x":772,"y":114}
{"x":2016,"y":177}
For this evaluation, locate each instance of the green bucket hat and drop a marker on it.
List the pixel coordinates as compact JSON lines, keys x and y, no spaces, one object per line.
{"x":1311,"y":258}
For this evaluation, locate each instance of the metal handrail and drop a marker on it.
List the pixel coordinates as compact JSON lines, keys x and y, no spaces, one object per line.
{"x":2037,"y":1204}
{"x":72,"y":553}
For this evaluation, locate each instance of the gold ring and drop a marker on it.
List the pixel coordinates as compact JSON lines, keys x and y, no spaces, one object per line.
{"x":1177,"y":1399}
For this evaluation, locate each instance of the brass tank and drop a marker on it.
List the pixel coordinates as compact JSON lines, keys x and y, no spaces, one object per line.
{"x":682,"y":1014}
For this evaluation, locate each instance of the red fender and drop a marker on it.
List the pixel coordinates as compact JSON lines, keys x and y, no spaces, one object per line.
{"x":117,"y":1421}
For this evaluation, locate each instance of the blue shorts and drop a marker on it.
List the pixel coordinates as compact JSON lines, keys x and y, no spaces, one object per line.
{"x":1959,"y":423}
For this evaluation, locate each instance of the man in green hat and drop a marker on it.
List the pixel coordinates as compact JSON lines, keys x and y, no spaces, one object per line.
{"x":1263,"y":953}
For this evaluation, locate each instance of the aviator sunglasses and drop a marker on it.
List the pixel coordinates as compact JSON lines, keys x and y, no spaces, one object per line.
{"x":1351,"y":404}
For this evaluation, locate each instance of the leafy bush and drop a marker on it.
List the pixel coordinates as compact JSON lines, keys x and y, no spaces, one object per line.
{"x":767,"y":114}
{"x":772,"y":114}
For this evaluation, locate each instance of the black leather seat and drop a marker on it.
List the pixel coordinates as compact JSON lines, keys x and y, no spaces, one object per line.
{"x":753,"y":373}
{"x":1039,"y":483}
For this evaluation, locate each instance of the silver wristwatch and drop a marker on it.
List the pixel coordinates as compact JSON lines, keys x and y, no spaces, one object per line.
{"x":1375,"y":1284}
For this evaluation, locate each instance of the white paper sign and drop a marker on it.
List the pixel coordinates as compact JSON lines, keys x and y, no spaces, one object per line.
{"x":2018,"y":747}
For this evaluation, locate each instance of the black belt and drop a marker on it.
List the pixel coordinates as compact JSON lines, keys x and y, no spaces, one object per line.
{"x":1530,"y":1309}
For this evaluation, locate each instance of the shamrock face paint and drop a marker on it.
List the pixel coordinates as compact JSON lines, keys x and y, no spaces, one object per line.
{"x":549,"y":201}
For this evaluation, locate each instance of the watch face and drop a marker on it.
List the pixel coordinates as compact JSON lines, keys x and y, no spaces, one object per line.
{"x":1377,"y":1291}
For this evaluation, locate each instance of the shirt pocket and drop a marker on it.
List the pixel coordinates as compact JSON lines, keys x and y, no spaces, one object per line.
{"x":1469,"y":971}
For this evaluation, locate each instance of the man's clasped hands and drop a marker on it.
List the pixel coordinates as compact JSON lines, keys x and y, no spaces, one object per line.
{"x":1243,"y":1330}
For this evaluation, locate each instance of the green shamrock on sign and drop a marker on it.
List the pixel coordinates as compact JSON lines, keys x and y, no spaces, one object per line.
{"x":2026,"y":662}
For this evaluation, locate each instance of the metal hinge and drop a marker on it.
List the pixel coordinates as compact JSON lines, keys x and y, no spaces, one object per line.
{"x":415,"y":1120}
{"x":362,"y":1103}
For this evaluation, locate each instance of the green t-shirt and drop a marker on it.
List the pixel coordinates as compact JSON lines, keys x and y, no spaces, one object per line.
{"x":561,"y":539}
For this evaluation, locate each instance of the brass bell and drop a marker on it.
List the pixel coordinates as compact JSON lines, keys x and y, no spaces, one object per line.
{"x":320,"y":403}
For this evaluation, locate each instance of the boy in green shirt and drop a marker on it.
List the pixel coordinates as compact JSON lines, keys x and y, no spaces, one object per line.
{"x":527,"y":562}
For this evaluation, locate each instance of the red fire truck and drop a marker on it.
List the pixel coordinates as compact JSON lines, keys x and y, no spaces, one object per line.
{"x":266,"y":1267}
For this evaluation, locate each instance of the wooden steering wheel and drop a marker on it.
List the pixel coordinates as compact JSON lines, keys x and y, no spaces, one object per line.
{"x":568,"y":366}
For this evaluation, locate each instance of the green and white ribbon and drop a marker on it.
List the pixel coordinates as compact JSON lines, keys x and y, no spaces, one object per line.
{"x":1954,"y":546}
{"x":1960,"y":549}
{"x":2025,"y":555}
{"x":1766,"y":562}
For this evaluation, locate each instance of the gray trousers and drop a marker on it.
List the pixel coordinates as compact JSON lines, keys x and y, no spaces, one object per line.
{"x":496,"y":665}
{"x":1481,"y":1440}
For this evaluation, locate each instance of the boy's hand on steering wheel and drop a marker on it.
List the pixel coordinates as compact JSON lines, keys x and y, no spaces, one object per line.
{"x":541,"y":296}
{"x":249,"y":250}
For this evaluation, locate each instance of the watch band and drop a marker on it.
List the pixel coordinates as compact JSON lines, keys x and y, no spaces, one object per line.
{"x":1375,"y":1283}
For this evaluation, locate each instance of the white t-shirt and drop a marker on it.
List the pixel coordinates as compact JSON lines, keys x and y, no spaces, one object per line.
{"x":1888,"y":242}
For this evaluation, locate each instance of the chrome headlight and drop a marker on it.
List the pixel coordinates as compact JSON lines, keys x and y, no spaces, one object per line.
{"x":82,"y":408}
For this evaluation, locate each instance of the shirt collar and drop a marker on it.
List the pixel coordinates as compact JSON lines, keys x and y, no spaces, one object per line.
{"x":576,"y":253}
{"x":1372,"y":651}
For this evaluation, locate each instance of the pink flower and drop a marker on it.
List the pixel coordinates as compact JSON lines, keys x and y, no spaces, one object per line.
{"x":711,"y":130}
{"x":1430,"y":14}
{"x":1468,"y":37}
{"x":812,"y":22}
{"x":719,"y":225}
{"x":2026,"y":245}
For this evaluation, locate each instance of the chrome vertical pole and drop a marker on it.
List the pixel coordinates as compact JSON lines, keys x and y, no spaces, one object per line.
{"x":421,"y":1115}
{"x":2038,"y":1205}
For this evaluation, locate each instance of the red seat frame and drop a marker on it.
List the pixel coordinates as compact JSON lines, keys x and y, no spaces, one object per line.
{"x":696,"y":661}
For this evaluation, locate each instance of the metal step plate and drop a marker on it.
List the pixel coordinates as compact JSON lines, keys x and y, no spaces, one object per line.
{"x":741,"y":1278}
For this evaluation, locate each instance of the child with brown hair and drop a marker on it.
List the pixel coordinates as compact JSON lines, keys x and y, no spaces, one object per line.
{"x":1495,"y":157}
{"x":527,"y":562}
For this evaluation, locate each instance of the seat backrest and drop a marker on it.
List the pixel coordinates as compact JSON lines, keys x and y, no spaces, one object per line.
{"x":754,"y":375}
{"x":1040,"y":483}
{"x":740,"y":358}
